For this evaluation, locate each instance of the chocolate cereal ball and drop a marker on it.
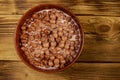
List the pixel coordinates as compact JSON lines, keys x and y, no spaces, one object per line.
{"x":50,"y":39}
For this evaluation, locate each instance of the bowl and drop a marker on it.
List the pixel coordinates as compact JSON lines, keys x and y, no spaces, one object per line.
{"x":26,"y":16}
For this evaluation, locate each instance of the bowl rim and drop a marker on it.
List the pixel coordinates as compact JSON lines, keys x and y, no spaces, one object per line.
{"x":30,"y":12}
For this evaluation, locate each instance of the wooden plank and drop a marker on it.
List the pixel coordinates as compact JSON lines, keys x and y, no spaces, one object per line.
{"x":90,"y":24}
{"x":79,"y":71}
{"x":7,"y":50}
{"x":9,"y":19}
{"x":81,"y":7}
{"x":95,"y":49}
{"x":101,"y":38}
{"x":102,"y":27}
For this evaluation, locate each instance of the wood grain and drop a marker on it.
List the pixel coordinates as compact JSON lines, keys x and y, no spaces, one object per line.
{"x":100,"y":59}
{"x":79,"y":71}
{"x":80,"y":7}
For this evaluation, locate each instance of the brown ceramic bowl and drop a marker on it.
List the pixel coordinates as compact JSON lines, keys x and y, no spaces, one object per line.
{"x":27,"y":15}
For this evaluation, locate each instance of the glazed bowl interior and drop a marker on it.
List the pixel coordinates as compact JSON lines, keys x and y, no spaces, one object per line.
{"x":27,"y":15}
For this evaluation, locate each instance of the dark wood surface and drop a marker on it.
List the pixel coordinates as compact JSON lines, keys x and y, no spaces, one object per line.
{"x":100,"y":59}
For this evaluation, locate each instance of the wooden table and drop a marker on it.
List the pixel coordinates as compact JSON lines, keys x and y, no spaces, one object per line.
{"x":100,"y":59}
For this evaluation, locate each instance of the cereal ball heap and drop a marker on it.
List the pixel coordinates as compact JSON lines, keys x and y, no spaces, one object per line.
{"x":50,"y":39}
